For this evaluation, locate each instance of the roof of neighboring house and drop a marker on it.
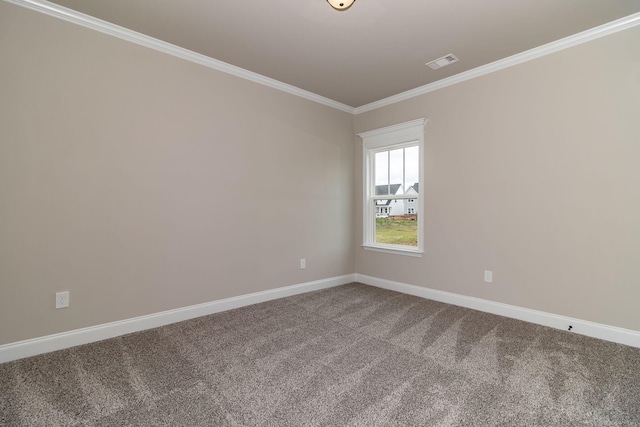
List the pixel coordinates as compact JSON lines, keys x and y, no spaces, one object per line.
{"x":415,"y":186}
{"x":382,"y":190}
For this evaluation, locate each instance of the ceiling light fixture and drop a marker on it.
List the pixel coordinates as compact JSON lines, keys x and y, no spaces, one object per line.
{"x":341,"y":4}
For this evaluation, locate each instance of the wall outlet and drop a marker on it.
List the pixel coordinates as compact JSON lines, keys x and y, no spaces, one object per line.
{"x":303,"y":263}
{"x":62,"y":299}
{"x":488,"y":276}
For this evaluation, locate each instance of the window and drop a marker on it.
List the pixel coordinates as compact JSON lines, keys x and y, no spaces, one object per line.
{"x":393,"y":211}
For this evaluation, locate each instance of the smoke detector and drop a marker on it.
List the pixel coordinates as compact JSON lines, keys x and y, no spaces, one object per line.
{"x":442,"y":62}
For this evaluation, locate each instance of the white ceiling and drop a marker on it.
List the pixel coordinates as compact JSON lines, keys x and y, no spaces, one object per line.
{"x":372,"y":51}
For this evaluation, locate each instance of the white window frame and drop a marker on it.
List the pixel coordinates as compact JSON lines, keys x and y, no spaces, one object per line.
{"x":403,"y":134}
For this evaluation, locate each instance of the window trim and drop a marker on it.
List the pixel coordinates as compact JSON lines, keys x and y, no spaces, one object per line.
{"x":407,"y":133}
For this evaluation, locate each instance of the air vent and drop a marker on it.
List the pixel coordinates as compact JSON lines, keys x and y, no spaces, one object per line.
{"x":442,"y":62}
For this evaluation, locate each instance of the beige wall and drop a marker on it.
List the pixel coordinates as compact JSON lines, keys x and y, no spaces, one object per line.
{"x":532,"y":172}
{"x":142,"y":182}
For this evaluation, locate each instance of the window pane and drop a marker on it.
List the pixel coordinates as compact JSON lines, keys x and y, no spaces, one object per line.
{"x":396,"y":231}
{"x":412,"y":166}
{"x":381,"y":165}
{"x":396,"y":169}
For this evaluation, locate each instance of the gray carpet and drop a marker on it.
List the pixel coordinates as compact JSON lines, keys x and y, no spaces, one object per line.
{"x":347,"y":356}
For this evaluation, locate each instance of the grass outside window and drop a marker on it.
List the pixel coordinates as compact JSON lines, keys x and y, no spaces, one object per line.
{"x":397,"y":231}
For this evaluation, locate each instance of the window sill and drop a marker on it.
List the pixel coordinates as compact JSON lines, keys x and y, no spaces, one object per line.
{"x":394,"y":250}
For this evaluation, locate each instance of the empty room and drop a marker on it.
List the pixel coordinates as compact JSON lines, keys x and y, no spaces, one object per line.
{"x":320,"y":213}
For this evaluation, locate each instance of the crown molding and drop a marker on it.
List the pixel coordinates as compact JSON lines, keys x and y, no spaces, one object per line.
{"x":528,"y":55}
{"x":105,"y":27}
{"x":114,"y":30}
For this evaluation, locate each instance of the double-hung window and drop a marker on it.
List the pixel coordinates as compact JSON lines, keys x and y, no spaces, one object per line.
{"x":393,"y":200}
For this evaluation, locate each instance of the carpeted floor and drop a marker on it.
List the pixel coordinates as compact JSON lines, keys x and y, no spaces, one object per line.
{"x":348,"y":356}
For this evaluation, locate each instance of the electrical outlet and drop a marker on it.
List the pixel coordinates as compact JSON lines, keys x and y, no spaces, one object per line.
{"x":488,"y":276}
{"x":62,"y":299}
{"x":303,"y":263}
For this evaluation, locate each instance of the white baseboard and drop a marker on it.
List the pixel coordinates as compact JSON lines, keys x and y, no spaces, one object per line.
{"x":583,"y":327}
{"x":46,"y":344}
{"x":35,"y":346}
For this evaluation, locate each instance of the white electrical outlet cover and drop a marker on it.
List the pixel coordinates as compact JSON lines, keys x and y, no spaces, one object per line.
{"x":62,"y":299}
{"x":488,"y":276}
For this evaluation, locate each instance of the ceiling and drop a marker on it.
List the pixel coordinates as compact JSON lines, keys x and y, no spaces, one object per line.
{"x":375,"y":49}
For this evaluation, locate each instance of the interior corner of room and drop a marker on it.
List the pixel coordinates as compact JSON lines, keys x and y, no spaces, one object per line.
{"x":154,"y":189}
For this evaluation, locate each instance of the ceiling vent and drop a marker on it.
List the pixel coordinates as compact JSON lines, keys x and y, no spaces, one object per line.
{"x":442,"y":62}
